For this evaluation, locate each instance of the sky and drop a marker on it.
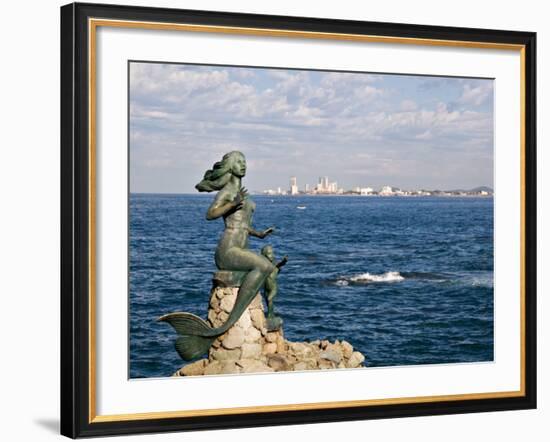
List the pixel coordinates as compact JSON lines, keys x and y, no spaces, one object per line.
{"x":359,"y":129}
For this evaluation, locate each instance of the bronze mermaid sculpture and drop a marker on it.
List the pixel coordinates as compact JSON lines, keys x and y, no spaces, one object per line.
{"x":273,"y":322}
{"x":233,"y":204}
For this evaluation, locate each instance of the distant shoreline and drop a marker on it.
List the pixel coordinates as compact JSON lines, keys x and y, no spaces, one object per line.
{"x":325,"y":195}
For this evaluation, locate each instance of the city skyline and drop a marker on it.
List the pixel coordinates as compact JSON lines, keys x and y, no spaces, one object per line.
{"x":365,"y":129}
{"x":326,"y":187}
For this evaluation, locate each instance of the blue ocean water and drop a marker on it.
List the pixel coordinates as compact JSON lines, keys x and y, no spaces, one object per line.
{"x":405,"y":280}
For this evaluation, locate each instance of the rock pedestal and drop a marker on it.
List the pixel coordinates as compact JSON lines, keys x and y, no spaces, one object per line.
{"x":248,"y":347}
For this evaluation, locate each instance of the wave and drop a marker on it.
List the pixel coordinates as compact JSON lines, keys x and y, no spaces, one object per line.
{"x":476,"y":280}
{"x":389,"y":277}
{"x":485,"y":281}
{"x":365,"y":278}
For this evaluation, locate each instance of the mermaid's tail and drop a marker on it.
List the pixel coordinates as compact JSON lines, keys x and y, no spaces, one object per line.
{"x":187,"y":324}
{"x":196,"y":336}
{"x":190,"y":347}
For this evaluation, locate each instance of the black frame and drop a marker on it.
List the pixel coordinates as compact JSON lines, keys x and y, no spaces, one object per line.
{"x":75,"y":220}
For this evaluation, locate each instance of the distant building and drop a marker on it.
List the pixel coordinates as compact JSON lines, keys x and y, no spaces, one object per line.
{"x":365,"y":190}
{"x":323,"y":186}
{"x":306,"y":188}
{"x":293,"y":186}
{"x":386,"y":191}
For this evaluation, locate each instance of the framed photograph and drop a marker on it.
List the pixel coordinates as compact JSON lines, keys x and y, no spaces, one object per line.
{"x":273,"y":220}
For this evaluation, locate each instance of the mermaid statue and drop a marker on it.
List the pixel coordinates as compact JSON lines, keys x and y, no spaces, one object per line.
{"x":233,"y":203}
{"x":273,"y":322}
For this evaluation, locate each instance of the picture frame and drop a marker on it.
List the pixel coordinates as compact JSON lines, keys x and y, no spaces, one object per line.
{"x":80,"y":241}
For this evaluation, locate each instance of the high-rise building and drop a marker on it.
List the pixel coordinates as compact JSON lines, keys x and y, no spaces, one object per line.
{"x":323,"y":185}
{"x":293,"y":186}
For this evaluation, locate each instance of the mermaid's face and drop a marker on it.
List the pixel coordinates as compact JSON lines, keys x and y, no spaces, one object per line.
{"x":238,"y":165}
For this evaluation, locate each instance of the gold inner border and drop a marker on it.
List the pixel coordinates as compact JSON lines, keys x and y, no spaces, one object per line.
{"x":93,"y":24}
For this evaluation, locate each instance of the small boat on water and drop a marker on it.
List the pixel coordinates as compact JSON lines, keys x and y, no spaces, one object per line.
{"x":301,"y":207}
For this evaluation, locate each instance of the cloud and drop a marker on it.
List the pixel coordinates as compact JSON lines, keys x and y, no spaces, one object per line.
{"x":476,"y":94}
{"x":408,"y":105}
{"x":324,"y":121}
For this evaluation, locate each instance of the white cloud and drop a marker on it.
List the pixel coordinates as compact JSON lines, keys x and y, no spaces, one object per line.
{"x":476,"y":94}
{"x":408,"y":105}
{"x":181,"y":114}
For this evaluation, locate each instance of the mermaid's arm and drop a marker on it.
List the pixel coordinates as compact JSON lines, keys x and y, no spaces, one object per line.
{"x":225,"y":202}
{"x":282,"y":262}
{"x":260,"y":235}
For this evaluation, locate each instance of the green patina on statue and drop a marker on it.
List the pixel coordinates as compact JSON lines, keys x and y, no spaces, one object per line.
{"x":270,"y":289}
{"x":233,"y":203}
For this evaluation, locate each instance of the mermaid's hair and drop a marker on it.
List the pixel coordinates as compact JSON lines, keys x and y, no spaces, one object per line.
{"x":217,"y":177}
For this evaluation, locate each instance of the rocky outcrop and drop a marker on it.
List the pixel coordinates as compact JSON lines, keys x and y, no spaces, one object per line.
{"x":248,"y":347}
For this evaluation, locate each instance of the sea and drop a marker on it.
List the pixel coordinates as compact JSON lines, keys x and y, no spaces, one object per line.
{"x":405,"y":280}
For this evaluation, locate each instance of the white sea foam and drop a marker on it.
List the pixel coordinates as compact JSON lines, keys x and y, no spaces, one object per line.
{"x":384,"y":277}
{"x":369,"y":277}
{"x":482,"y":281}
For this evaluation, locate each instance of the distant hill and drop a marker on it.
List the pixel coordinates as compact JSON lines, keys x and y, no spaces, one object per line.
{"x":474,"y":190}
{"x":481,"y":189}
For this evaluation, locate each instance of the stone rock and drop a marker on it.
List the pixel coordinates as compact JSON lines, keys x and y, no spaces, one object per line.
{"x":356,"y":359}
{"x":228,"y":302}
{"x":306,"y":364}
{"x":244,"y":321}
{"x":300,"y":349}
{"x":258,"y":318}
{"x":214,"y":303}
{"x":252,"y":335}
{"x":253,"y":366}
{"x":234,"y":338}
{"x":251,"y":351}
{"x":281,"y":345}
{"x":194,"y":369}
{"x":221,"y":354}
{"x":213,"y":368}
{"x":301,"y":366}
{"x":333,"y":353}
{"x":222,"y":317}
{"x":325,"y":364}
{"x":229,"y":367}
{"x":212,"y":318}
{"x":247,"y":347}
{"x":278,"y":362}
{"x":347,"y":349}
{"x":270,"y":347}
